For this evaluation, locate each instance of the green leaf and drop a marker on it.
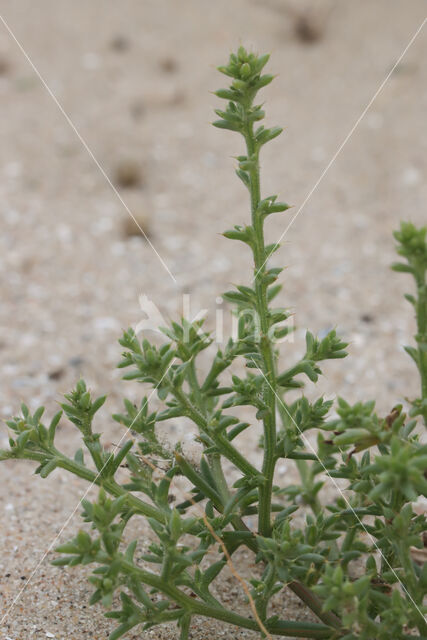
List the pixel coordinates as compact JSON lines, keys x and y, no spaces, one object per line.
{"x":269,"y":134}
{"x":225,"y":124}
{"x":244,"y":177}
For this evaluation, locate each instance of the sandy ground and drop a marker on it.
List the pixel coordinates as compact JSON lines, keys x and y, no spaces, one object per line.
{"x":134,"y":77}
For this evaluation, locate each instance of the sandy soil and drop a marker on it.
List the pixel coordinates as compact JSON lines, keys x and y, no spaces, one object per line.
{"x":134,"y":77}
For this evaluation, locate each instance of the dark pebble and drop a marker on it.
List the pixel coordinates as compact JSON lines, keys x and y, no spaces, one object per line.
{"x":57,"y":374}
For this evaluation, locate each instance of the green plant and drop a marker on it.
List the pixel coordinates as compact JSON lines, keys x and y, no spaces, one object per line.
{"x":350,"y":562}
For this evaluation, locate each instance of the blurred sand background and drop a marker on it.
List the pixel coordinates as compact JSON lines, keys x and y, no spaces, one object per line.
{"x":135,"y":79}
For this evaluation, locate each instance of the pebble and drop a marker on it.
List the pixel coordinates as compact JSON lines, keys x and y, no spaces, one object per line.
{"x":411,"y":177}
{"x":168,"y":65}
{"x":13,"y":169}
{"x":64,"y":233}
{"x":138,"y":225}
{"x":120,"y":43}
{"x":91,"y":61}
{"x":128,"y":174}
{"x":318,"y":154}
{"x":374,"y":120}
{"x":4,"y":66}
{"x":106,"y":324}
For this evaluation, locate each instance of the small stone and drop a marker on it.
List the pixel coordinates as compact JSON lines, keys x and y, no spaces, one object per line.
{"x":49,"y":635}
{"x":4,"y":66}
{"x":56,"y":374}
{"x":106,"y":324}
{"x":120,"y":43}
{"x":318,"y":154}
{"x":137,"y":109}
{"x":168,"y":64}
{"x":374,"y":120}
{"x":13,"y":169}
{"x":91,"y":61}
{"x":128,"y":174}
{"x":138,"y":225}
{"x":411,"y":177}
{"x":308,"y":27}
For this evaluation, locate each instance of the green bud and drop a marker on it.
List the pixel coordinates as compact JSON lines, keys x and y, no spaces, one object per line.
{"x":242,"y":54}
{"x":85,"y":400}
{"x":245,"y":71}
{"x":239,"y":84}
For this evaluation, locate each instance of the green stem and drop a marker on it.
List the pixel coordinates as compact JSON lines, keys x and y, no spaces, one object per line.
{"x":280,"y":628}
{"x":227,"y":449}
{"x":166,"y":566}
{"x":218,"y":473}
{"x":234,"y":455}
{"x":194,"y":385}
{"x":109,"y":485}
{"x":300,"y":590}
{"x":315,"y":604}
{"x":421,"y":314}
{"x":302,"y":455}
{"x":262,"y":602}
{"x":269,"y":421}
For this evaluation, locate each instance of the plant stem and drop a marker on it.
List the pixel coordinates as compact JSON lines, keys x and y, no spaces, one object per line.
{"x":218,"y":473}
{"x":302,"y":455}
{"x":421,"y":314}
{"x":110,"y":486}
{"x":315,"y":604}
{"x":227,"y":449}
{"x":194,"y":385}
{"x":269,"y":421}
{"x":280,"y":628}
{"x":263,"y":601}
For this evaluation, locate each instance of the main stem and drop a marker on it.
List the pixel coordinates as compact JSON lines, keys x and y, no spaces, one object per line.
{"x":269,"y":422}
{"x":421,"y":311}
